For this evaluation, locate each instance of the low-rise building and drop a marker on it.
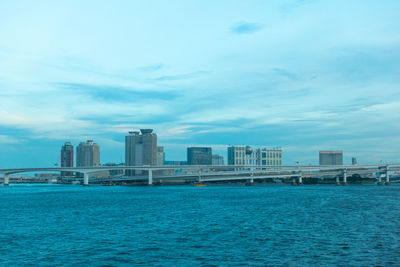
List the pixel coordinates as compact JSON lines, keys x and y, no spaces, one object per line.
{"x":246,"y":155}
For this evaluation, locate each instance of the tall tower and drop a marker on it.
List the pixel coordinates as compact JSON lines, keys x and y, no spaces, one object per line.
{"x":88,"y":154}
{"x":140,"y":149}
{"x":67,"y":158}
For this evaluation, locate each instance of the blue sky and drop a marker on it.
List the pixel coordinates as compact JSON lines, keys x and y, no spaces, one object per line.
{"x":302,"y":75}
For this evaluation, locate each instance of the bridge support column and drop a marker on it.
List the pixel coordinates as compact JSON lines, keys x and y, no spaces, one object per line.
{"x":387,"y":177}
{"x":6,"y":179}
{"x":294,"y":181}
{"x":150,"y":180}
{"x":337,"y":180}
{"x":86,"y":179}
{"x":301,"y":180}
{"x":380,"y":179}
{"x":251,"y":181}
{"x":345,"y":177}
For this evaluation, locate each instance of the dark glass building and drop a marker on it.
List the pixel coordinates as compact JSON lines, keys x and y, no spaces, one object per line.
{"x":67,"y":158}
{"x":199,"y":156}
{"x":331,"y":157}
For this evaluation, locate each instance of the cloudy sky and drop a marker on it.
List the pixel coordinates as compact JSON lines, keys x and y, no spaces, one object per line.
{"x":302,"y":75}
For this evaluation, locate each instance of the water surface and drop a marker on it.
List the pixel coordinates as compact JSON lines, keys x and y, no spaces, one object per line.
{"x":214,"y":225}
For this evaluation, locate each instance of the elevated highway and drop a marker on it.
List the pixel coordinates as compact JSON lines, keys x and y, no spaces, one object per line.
{"x":208,"y":173}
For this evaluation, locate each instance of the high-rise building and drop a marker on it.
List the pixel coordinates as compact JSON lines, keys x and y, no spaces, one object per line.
{"x":217,"y":160}
{"x":331,"y":157}
{"x":140,"y":149}
{"x":160,"y":156}
{"x":245,"y":155}
{"x":354,"y":161}
{"x":199,"y":155}
{"x":67,"y":157}
{"x":87,"y":154}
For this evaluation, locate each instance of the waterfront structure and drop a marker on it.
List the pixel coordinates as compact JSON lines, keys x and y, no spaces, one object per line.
{"x":67,"y":157}
{"x":160,"y":156}
{"x":140,"y":149}
{"x":331,"y":157}
{"x":87,"y":154}
{"x":217,"y":160}
{"x":246,"y":155}
{"x":199,"y":155}
{"x":200,"y":174}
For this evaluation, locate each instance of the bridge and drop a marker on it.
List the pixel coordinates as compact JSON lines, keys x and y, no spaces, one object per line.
{"x":215,"y":173}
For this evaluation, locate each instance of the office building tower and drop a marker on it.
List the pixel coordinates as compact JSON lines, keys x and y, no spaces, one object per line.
{"x":199,"y":155}
{"x":140,"y":149}
{"x":88,"y":154}
{"x":217,"y":160}
{"x":331,"y":157}
{"x":67,"y":157}
{"x":160,"y":156}
{"x":354,"y":161}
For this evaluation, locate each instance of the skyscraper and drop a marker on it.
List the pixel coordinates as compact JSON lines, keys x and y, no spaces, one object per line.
{"x":199,"y":155}
{"x":140,"y":149}
{"x":331,"y":157}
{"x":67,"y":158}
{"x":87,"y":154}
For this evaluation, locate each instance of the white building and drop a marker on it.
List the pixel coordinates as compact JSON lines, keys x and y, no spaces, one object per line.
{"x":245,"y":155}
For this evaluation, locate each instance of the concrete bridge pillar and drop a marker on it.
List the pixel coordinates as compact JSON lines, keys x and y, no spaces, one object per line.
{"x":6,"y":179}
{"x":251,"y":178}
{"x":387,"y":176}
{"x":85,"y":179}
{"x":294,"y":181}
{"x":345,"y":177}
{"x":301,"y":179}
{"x":337,"y":180}
{"x":380,"y":179}
{"x":150,"y":180}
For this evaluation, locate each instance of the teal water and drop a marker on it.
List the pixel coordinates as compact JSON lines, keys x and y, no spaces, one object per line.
{"x":53,"y":225}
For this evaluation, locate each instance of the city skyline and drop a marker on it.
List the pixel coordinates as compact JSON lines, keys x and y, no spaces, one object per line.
{"x":301,"y":75}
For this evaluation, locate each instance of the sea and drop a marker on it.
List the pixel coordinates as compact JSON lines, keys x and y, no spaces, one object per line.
{"x":220,"y":225}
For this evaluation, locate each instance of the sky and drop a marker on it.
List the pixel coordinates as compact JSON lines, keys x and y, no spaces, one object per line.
{"x":302,"y":75}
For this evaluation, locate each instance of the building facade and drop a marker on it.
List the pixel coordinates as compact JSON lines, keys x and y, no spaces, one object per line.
{"x":88,"y":154}
{"x":331,"y":157}
{"x":217,"y":160}
{"x":160,"y":156}
{"x":140,"y":149}
{"x":199,"y":155}
{"x":246,"y":155}
{"x":67,"y":157}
